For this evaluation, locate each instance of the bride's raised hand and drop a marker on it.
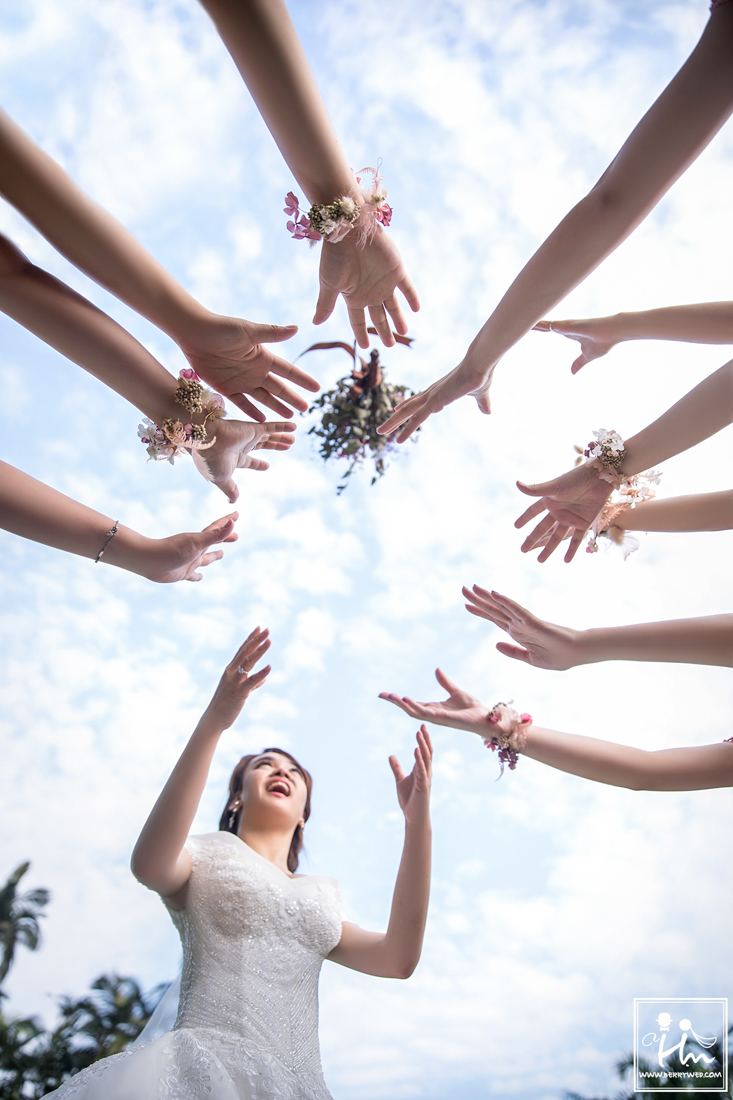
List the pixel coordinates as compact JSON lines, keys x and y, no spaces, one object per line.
{"x":231,"y":355}
{"x":236,"y":683}
{"x":571,"y":501}
{"x":413,"y":790}
{"x":235,"y":439}
{"x":541,"y":644}
{"x":368,"y":276}
{"x":460,"y":710}
{"x":592,"y":335}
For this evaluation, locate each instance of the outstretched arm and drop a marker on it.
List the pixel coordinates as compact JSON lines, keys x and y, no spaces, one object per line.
{"x":227,"y":352}
{"x":703,"y":323}
{"x":159,"y":859}
{"x":697,"y":512}
{"x":689,"y":769}
{"x":262,"y":40}
{"x":573,"y":500}
{"x":71,"y":324}
{"x":703,"y":641}
{"x":671,"y":135}
{"x":35,"y":511}
{"x":396,"y":952}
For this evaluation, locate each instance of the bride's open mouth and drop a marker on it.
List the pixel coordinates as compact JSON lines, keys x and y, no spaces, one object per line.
{"x":278,"y":786}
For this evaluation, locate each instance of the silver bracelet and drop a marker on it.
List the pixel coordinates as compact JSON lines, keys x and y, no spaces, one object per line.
{"x":110,"y":535}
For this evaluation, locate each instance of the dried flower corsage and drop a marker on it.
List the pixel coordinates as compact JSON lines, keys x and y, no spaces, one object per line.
{"x":605,"y":455}
{"x":509,"y":736}
{"x":631,"y":492}
{"x":174,"y":439}
{"x":333,"y":221}
{"x":351,"y":412}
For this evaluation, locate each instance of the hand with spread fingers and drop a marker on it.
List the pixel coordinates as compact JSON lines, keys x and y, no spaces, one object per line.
{"x":236,"y":683}
{"x":235,"y":439}
{"x":541,"y":644}
{"x":593,"y":336}
{"x":368,"y":276}
{"x":571,"y":501}
{"x":231,"y":354}
{"x":460,"y":710}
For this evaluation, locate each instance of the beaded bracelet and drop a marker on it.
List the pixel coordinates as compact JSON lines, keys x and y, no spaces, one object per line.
{"x":173,"y":439}
{"x":333,"y":221}
{"x":110,"y":535}
{"x":509,"y":743}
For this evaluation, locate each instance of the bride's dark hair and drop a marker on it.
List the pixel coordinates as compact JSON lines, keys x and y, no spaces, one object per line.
{"x":229,"y":821}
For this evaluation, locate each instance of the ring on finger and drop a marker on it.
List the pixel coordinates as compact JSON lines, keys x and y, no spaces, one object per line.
{"x":242,"y":671}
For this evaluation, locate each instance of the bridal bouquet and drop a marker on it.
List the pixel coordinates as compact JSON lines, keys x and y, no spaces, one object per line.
{"x":354,"y":409}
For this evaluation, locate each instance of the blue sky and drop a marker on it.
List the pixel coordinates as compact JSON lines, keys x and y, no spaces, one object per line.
{"x":555,"y":902}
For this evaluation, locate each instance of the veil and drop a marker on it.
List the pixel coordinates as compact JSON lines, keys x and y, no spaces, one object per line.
{"x":164,"y":1016}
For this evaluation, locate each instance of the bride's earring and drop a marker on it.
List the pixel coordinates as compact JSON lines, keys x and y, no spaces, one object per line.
{"x":302,"y":823}
{"x":233,"y":813}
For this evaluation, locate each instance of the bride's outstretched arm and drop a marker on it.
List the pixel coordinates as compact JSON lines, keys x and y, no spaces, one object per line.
{"x":396,"y":952}
{"x":228,"y":352}
{"x":667,"y":140}
{"x":262,"y":40}
{"x":701,"y":323}
{"x":703,"y":641}
{"x":159,"y":859}
{"x":35,"y":511}
{"x":689,"y":769}
{"x":76,"y":328}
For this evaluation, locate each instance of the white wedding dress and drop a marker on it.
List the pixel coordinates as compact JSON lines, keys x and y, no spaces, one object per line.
{"x":247,"y":1025}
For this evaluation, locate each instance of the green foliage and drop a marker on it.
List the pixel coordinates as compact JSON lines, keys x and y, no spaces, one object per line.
{"x":34,"y":1061}
{"x":19,"y":914}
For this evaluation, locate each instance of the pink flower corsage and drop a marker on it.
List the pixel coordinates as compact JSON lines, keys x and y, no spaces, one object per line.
{"x":335,"y":220}
{"x":173,"y":439}
{"x":509,"y":736}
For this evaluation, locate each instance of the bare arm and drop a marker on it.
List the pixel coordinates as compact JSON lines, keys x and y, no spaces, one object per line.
{"x":690,"y":769}
{"x":698,"y":512}
{"x":672,"y":134}
{"x":396,"y":952}
{"x":159,"y":859}
{"x":226,"y":351}
{"x":35,"y":511}
{"x":707,"y":640}
{"x":262,"y":40}
{"x":703,"y":323}
{"x":71,"y":324}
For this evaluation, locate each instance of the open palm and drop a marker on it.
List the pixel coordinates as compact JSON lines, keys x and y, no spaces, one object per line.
{"x":571,"y":501}
{"x":460,"y":710}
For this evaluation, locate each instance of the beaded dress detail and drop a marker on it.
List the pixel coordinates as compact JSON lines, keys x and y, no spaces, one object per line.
{"x":247,"y":1026}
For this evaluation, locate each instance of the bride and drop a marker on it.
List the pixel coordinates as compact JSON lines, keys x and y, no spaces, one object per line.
{"x":254,"y":933}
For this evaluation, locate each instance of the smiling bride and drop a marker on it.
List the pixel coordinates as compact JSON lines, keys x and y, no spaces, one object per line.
{"x":255,"y":933}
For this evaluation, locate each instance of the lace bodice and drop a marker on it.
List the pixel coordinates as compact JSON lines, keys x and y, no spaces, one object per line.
{"x":253,"y":944}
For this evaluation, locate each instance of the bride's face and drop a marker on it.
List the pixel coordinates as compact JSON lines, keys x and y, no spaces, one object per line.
{"x":275,"y":786}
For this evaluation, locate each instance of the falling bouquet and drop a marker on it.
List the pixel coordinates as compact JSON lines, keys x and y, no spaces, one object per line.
{"x":354,"y":409}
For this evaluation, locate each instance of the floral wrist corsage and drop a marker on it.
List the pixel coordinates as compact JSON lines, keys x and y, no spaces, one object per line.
{"x":173,"y":439}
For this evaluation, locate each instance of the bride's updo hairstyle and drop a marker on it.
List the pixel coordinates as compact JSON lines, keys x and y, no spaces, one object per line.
{"x":229,"y":821}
